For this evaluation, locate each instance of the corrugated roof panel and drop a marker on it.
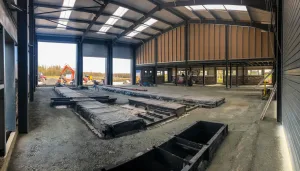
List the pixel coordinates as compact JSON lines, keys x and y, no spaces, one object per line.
{"x":123,"y":39}
{"x":45,"y":22}
{"x":111,"y":8}
{"x":52,"y":2}
{"x":58,"y":32}
{"x":187,"y":12}
{"x":150,"y":31}
{"x":241,"y":15}
{"x":260,"y":15}
{"x":111,"y":30}
{"x":224,"y":15}
{"x":99,"y":36}
{"x":43,"y":10}
{"x":165,"y":15}
{"x":141,"y":36}
{"x":205,"y":14}
{"x":161,"y":25}
{"x":142,"y":5}
{"x":85,"y":3}
{"x":81,"y":15}
{"x":77,"y":25}
{"x":120,"y":22}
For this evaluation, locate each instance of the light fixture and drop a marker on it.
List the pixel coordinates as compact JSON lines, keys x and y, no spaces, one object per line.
{"x":120,"y":11}
{"x":104,"y":28}
{"x":133,"y":33}
{"x":214,"y":7}
{"x":236,"y":7}
{"x":150,"y":22}
{"x":141,"y":28}
{"x":197,"y":7}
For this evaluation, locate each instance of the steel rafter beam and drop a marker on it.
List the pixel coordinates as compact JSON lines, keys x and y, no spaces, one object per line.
{"x":171,"y":10}
{"x":231,"y":16}
{"x":239,"y":23}
{"x":86,"y":22}
{"x":91,"y":12}
{"x":260,"y":4}
{"x":80,"y":30}
{"x":97,"y":15}
{"x":61,"y":8}
{"x":141,"y":12}
{"x":149,"y":14}
{"x":250,"y":15}
{"x":212,"y":14}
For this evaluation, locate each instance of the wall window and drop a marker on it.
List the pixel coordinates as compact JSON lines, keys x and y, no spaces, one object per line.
{"x":159,"y":73}
{"x":255,"y":72}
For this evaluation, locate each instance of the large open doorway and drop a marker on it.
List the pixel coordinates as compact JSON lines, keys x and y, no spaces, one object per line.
{"x":55,"y":61}
{"x":121,"y":71}
{"x":93,"y":70}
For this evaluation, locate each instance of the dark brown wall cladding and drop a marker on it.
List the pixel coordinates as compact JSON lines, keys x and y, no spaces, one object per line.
{"x":207,"y":43}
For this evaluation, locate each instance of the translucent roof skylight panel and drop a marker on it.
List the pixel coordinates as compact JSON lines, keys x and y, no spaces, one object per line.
{"x":104,"y":28}
{"x":120,"y":11}
{"x":69,"y":3}
{"x":195,"y":7}
{"x":132,"y":34}
{"x":214,"y":7}
{"x":141,"y":28}
{"x":150,"y":22}
{"x":65,"y":14}
{"x":62,"y":24}
{"x":111,"y":21}
{"x":236,"y":7}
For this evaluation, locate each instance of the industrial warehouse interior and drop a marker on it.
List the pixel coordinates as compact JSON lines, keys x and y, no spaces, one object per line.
{"x":162,"y":85}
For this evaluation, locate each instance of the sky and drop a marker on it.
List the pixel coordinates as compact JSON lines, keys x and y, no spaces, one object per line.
{"x":62,"y":54}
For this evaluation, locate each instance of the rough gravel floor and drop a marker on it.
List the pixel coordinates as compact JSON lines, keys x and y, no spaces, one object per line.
{"x":59,"y":140}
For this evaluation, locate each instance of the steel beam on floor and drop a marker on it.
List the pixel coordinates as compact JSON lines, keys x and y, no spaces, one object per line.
{"x":31,"y":30}
{"x":133,"y":67}
{"x":79,"y":64}
{"x":109,"y":65}
{"x":22,"y":29}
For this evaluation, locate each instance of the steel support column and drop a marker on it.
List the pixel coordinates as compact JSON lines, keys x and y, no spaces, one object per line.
{"x":186,"y":50}
{"x":203,"y":75}
{"x":9,"y":83}
{"x":133,"y":67}
{"x":36,"y":50}
{"x":79,"y":64}
{"x":31,"y":50}
{"x":230,"y":78}
{"x":22,"y":30}
{"x":109,"y":65}
{"x":2,"y":112}
{"x":243,"y":77}
{"x":156,"y":59}
{"x":279,"y":72}
{"x":226,"y":53}
{"x":176,"y":70}
{"x":237,"y":76}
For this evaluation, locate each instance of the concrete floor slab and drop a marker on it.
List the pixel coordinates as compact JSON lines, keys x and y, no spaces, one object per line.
{"x":59,"y":140}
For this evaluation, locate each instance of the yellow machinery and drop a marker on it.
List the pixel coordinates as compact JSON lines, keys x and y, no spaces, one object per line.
{"x":266,"y":92}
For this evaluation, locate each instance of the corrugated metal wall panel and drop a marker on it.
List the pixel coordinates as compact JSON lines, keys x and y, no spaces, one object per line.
{"x":291,"y":78}
{"x":95,"y":50}
{"x":124,"y":52}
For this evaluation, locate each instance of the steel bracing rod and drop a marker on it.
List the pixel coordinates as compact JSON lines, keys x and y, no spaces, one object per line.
{"x":230,"y":14}
{"x":211,"y":13}
{"x":68,"y":9}
{"x":52,"y":19}
{"x":141,"y":12}
{"x":99,"y":12}
{"x":155,"y":9}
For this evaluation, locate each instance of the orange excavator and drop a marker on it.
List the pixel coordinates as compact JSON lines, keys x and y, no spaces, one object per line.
{"x":71,"y":79}
{"x":66,"y":79}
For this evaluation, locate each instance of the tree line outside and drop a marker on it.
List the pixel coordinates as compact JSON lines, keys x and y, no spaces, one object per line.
{"x":54,"y":72}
